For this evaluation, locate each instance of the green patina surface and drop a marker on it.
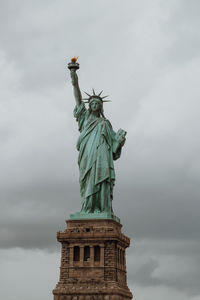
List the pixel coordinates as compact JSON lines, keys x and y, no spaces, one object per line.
{"x":98,"y":145}
{"x":86,"y":216}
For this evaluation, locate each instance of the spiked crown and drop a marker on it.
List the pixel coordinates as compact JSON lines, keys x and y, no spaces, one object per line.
{"x":97,"y":96}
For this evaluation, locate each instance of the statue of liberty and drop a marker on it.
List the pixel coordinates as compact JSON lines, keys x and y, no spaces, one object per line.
{"x":98,"y":146}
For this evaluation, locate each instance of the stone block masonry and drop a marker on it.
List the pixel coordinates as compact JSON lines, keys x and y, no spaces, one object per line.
{"x":93,"y":264}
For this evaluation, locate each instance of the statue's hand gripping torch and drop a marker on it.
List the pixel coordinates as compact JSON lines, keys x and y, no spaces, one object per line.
{"x":73,"y":66}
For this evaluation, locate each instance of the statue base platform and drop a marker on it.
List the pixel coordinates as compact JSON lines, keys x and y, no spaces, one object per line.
{"x":96,"y":215}
{"x":93,"y":261}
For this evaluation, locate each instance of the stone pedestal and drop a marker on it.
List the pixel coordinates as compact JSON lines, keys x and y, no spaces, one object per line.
{"x":93,"y":261}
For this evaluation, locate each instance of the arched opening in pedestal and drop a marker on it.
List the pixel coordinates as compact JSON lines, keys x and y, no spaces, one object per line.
{"x":86,"y":253}
{"x":76,"y":253}
{"x":97,"y":253}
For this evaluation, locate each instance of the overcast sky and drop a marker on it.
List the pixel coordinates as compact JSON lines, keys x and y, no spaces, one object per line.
{"x":146,"y":56}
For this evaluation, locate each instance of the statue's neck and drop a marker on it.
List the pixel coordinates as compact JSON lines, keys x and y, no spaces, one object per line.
{"x":95,"y":114}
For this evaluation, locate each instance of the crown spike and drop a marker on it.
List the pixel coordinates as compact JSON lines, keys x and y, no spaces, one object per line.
{"x":100,"y":93}
{"x":87,"y":94}
{"x":87,"y":100}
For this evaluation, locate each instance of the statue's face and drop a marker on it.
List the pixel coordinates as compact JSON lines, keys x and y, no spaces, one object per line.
{"x":95,"y":105}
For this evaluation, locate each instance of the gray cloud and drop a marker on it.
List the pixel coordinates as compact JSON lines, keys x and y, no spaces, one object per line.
{"x":165,"y":263}
{"x":146,"y":57}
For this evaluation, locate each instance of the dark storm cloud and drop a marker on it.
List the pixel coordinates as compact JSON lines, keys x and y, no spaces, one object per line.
{"x":30,"y":216}
{"x":166,"y":263}
{"x":145,"y":55}
{"x":171,"y":211}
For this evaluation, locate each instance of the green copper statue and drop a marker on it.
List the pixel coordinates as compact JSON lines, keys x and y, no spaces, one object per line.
{"x":98,"y":146}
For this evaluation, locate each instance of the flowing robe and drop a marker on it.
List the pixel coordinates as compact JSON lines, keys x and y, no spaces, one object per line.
{"x":95,"y":160}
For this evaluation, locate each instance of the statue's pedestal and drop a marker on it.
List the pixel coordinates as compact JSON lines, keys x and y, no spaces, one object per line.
{"x":93,"y":261}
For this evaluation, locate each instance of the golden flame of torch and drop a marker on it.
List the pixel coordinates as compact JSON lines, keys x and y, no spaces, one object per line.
{"x":74,"y":59}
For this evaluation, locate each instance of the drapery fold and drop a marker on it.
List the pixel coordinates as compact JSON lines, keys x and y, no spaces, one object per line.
{"x":95,"y":160}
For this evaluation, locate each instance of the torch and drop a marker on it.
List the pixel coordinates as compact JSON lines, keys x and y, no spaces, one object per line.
{"x":73,"y":65}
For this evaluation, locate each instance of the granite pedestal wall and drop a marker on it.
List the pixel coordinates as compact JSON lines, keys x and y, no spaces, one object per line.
{"x":93,"y":261}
